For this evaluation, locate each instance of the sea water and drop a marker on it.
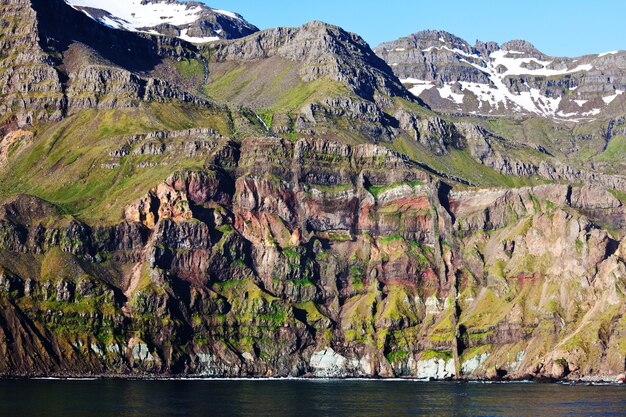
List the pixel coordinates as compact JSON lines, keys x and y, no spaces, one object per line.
{"x":277,"y":398}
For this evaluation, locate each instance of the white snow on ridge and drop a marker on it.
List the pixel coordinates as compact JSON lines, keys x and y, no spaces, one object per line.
{"x":132,"y":15}
{"x":227,"y":13}
{"x":607,"y":53}
{"x":413,"y":81}
{"x":593,"y":112}
{"x":531,"y":101}
{"x":455,"y":50}
{"x":460,"y":52}
{"x":496,"y":95}
{"x":566,"y":115}
{"x":418,"y":87}
{"x":446,"y":92}
{"x":185,"y":37}
{"x":514,"y":66}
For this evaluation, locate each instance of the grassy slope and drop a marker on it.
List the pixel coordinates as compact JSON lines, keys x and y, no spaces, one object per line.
{"x":458,"y":163}
{"x":64,"y":163}
{"x":562,"y":139}
{"x":272,"y":84}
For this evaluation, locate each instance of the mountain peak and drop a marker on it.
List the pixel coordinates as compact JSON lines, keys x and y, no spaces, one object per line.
{"x":322,"y":50}
{"x":318,"y":24}
{"x":520,"y":45}
{"x":514,"y":78}
{"x":191,"y":21}
{"x":437,"y":35}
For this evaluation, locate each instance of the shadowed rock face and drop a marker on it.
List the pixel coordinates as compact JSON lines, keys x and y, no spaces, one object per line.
{"x":315,"y":258}
{"x":57,"y":61}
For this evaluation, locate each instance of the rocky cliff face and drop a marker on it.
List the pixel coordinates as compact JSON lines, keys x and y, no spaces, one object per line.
{"x":316,"y":258}
{"x":56,"y":61}
{"x":280,"y":205}
{"x":514,"y":78}
{"x":29,"y":85}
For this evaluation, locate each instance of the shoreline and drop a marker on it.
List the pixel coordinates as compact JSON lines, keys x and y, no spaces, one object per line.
{"x":105,"y":377}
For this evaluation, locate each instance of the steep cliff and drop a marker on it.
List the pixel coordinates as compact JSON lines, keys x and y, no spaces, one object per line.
{"x":280,"y":205}
{"x":316,"y":258}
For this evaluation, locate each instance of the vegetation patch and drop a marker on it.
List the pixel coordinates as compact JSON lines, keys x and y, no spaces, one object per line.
{"x":377,"y":190}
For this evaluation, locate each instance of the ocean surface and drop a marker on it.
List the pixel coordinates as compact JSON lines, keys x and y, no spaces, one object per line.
{"x":40,"y":397}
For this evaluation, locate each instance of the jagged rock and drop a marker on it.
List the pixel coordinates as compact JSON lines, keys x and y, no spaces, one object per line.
{"x":52,"y":71}
{"x":252,"y":256}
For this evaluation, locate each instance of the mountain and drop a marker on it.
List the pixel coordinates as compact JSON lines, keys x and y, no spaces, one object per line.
{"x":302,"y":80}
{"x":512,"y":79}
{"x":279,"y":204}
{"x":58,"y":61}
{"x":191,"y":21}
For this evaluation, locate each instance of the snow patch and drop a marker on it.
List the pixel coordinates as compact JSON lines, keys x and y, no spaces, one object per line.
{"x":137,"y":16}
{"x":593,"y":112}
{"x":454,"y":50}
{"x":609,"y":99}
{"x":418,"y":86}
{"x":566,"y":115}
{"x":495,"y":94}
{"x":419,"y":89}
{"x":514,"y":66}
{"x":446,"y":92}
{"x":460,"y":52}
{"x":134,"y":15}
{"x":400,"y":49}
{"x":607,"y":53}
{"x":227,"y":13}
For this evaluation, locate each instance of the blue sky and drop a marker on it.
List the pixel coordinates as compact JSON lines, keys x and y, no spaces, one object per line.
{"x":556,"y":27}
